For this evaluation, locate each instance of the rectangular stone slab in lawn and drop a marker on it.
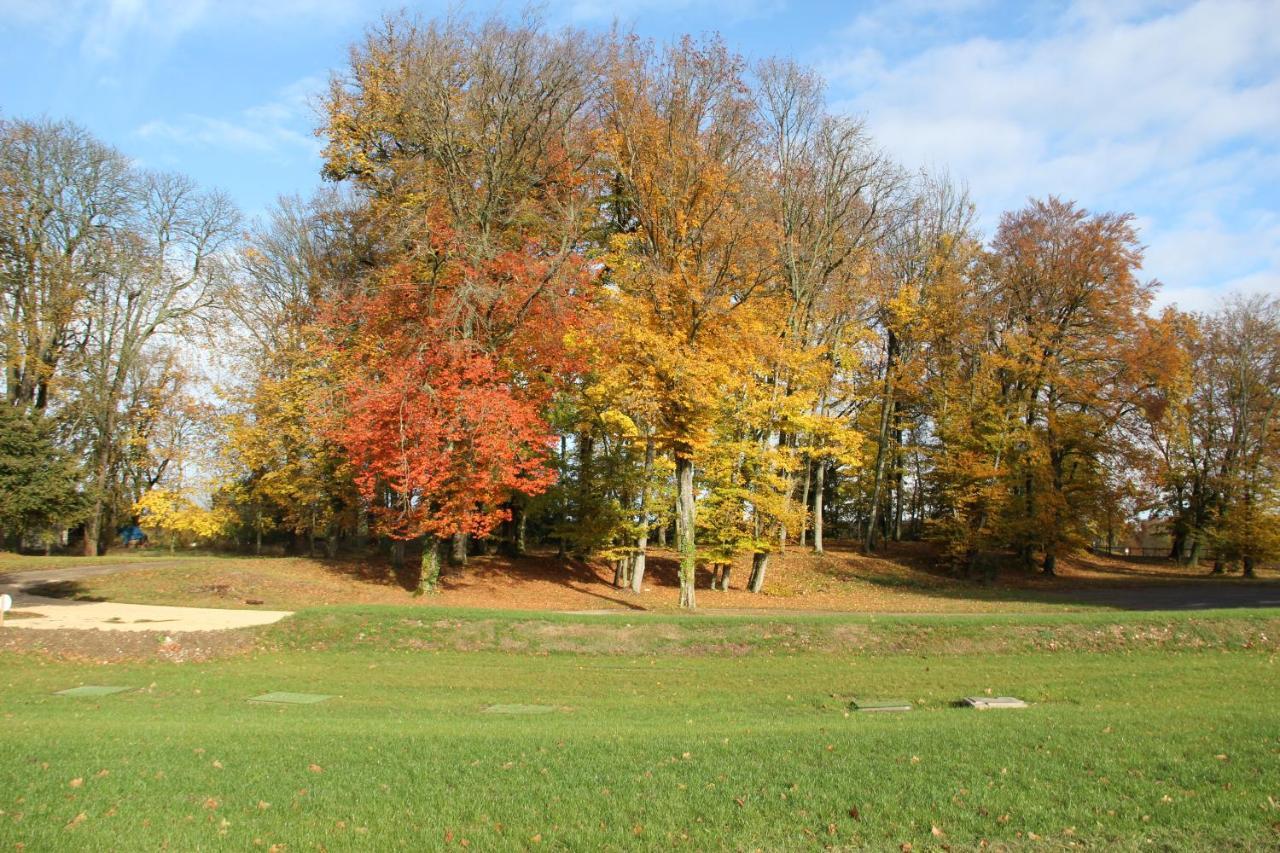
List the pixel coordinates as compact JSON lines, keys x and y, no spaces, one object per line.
{"x":987,"y":703}
{"x":91,"y":690}
{"x":880,"y":705}
{"x":519,"y":709}
{"x":291,"y":698}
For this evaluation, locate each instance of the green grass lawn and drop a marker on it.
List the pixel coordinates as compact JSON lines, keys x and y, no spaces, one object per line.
{"x":701,"y":746}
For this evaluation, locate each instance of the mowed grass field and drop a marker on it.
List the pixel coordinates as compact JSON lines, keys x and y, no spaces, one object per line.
{"x":1157,"y":731}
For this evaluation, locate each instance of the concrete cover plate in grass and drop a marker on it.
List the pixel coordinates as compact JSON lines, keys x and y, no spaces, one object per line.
{"x":881,"y":705}
{"x":519,"y":709}
{"x":986,"y":703}
{"x":91,"y":690}
{"x":291,"y":698}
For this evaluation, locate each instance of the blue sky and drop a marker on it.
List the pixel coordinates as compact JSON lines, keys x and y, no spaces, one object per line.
{"x":1169,"y":110}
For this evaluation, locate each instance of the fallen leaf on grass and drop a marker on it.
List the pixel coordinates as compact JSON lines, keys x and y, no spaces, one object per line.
{"x":101,"y":773}
{"x":210,"y":803}
{"x":936,"y":831}
{"x":263,"y":805}
{"x":76,"y":821}
{"x":315,"y":768}
{"x":76,"y":782}
{"x":217,"y":765}
{"x":536,"y":839}
{"x":854,"y":813}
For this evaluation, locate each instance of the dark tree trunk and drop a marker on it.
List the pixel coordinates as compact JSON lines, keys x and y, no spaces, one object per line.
{"x":759,"y":565}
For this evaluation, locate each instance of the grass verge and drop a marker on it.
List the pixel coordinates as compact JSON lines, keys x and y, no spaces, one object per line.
{"x":1145,"y":744}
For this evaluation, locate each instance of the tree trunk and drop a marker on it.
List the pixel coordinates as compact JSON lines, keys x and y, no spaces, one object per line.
{"x":1193,"y":559}
{"x":685,"y":531}
{"x":91,"y":525}
{"x":662,"y":535}
{"x":759,"y":565}
{"x":362,"y":528}
{"x":804,"y":498}
{"x":521,"y":524}
{"x":882,"y":443}
{"x":1050,"y":562}
{"x":458,"y":550}
{"x":642,"y":541}
{"x":429,"y":576}
{"x":637,"y":572}
{"x":819,"y":489}
{"x":397,"y":554}
{"x":1248,"y":567}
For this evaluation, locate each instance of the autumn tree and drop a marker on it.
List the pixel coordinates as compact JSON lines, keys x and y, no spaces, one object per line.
{"x":688,"y":276}
{"x":63,"y":194}
{"x":926,"y":248}
{"x":829,"y":194}
{"x":470,"y":145}
{"x":281,"y":469}
{"x":1229,"y":438}
{"x":1071,"y":312}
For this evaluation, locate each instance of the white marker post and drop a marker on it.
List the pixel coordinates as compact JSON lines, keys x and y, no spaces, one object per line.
{"x":6,"y":603}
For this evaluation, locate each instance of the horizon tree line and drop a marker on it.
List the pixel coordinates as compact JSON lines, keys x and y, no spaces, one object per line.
{"x":596,"y":293}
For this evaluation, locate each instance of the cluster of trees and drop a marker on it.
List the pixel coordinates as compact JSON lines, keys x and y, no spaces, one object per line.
{"x":596,"y":292}
{"x":104,"y":268}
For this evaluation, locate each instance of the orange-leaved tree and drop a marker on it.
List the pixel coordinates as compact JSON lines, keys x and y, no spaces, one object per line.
{"x":471,"y":144}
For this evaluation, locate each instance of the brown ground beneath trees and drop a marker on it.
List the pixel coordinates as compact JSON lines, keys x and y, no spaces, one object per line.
{"x":905,"y":578}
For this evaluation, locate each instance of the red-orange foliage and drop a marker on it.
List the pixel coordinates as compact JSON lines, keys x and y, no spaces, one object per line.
{"x":444,"y":379}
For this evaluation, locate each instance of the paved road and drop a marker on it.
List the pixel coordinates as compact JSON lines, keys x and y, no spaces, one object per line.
{"x":57,"y":613}
{"x":1200,"y":595}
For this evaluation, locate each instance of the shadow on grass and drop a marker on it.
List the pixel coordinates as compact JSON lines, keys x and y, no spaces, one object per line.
{"x":65,"y":590}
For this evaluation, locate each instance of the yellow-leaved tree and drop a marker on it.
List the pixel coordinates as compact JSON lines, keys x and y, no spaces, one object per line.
{"x":688,"y":271}
{"x":177,"y":518}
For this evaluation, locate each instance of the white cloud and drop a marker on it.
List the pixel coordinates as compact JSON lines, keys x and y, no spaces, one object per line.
{"x":280,"y":127}
{"x":106,"y":29}
{"x":1169,"y":110}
